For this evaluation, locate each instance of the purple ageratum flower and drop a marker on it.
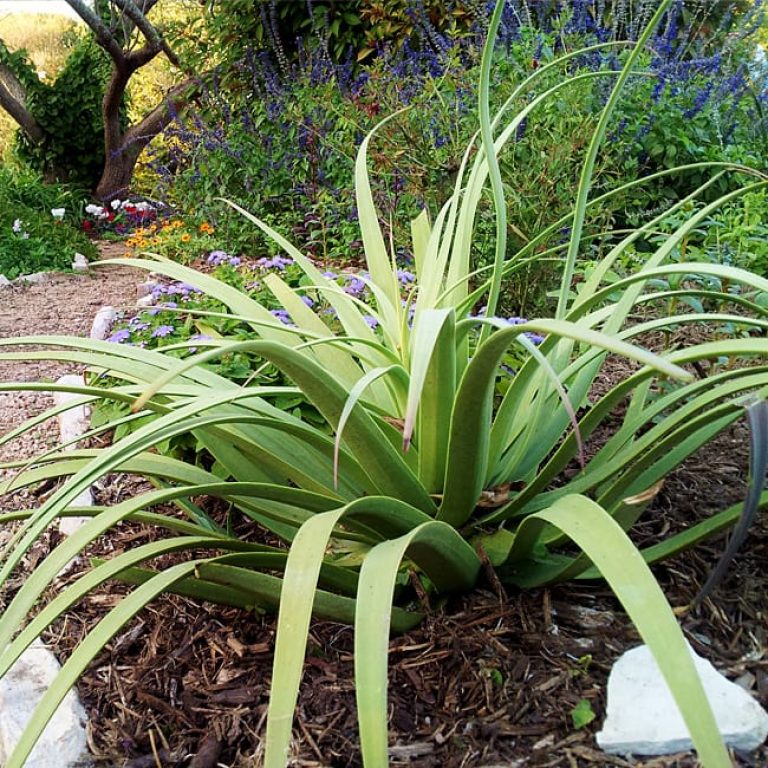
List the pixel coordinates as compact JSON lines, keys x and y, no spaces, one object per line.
{"x":121,"y":336}
{"x":170,"y":305}
{"x":330,"y":275}
{"x":355,"y":286}
{"x":282,"y":316}
{"x":235,"y":261}
{"x":278,"y":262}
{"x":405,"y":277}
{"x":535,"y":338}
{"x":371,"y":321}
{"x":308,"y":301}
{"x":216,"y":258}
{"x":162,"y":331}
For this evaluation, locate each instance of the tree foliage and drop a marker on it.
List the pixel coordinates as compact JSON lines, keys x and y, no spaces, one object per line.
{"x":76,"y":129}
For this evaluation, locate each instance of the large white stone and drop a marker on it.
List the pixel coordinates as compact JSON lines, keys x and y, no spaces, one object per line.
{"x":36,"y":278}
{"x":146,"y":288}
{"x":102,"y":323}
{"x":643,"y":719}
{"x":72,"y":424}
{"x":145,"y":301}
{"x":63,"y":743}
{"x":76,"y":420}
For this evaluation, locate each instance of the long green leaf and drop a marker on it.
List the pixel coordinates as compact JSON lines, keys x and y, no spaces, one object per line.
{"x":622,"y":566}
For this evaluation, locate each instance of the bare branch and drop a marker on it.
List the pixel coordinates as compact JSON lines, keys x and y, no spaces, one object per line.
{"x":150,"y":32}
{"x":163,"y":114}
{"x":103,"y":34}
{"x":10,"y":80}
{"x":12,"y":98}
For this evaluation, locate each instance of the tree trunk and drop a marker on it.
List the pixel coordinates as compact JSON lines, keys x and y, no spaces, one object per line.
{"x":124,"y":149}
{"x":116,"y":178}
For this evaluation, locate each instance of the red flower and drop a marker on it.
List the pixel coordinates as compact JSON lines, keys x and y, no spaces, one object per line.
{"x":87,"y":225}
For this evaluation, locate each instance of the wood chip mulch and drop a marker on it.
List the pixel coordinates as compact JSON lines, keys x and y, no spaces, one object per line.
{"x":490,"y":679}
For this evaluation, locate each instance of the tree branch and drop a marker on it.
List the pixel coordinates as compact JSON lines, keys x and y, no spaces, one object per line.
{"x":162,"y":115}
{"x":150,"y":32}
{"x":13,"y":104}
{"x":103,"y":34}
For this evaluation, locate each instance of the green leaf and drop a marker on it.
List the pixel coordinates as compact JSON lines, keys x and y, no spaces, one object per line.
{"x":582,"y":714}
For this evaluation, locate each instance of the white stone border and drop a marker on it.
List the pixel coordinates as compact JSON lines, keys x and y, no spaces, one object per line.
{"x":80,"y":264}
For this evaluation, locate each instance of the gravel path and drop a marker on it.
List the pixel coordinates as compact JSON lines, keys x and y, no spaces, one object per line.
{"x":62,"y":304}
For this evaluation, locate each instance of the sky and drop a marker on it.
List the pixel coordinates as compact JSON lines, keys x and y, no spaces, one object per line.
{"x":37,"y":6}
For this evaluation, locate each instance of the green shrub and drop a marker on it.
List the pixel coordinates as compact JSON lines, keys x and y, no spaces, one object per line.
{"x":70,"y":112}
{"x":31,"y":238}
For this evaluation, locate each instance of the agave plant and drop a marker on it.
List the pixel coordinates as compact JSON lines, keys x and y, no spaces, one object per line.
{"x":423,"y":464}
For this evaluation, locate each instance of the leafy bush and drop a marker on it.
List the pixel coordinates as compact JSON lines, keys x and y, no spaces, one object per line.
{"x":32,"y":239}
{"x":425,"y":463}
{"x":737,"y":235}
{"x":301,"y":182}
{"x":70,"y":112}
{"x":46,"y":39}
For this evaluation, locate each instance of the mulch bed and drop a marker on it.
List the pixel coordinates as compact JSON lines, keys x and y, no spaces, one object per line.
{"x":490,"y":679}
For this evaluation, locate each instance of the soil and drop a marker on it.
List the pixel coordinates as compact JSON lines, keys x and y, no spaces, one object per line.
{"x":490,"y":679}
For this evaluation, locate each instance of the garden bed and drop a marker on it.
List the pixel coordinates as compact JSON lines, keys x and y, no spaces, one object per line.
{"x":489,"y":679}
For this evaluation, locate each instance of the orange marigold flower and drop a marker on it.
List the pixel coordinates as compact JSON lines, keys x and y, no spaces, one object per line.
{"x":176,"y":223}
{"x":128,"y":254}
{"x":206,"y":228}
{"x":185,"y":238}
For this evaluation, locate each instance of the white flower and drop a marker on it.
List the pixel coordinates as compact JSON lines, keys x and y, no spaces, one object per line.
{"x":94,"y":210}
{"x":58,"y":213}
{"x":25,"y":236}
{"x":115,"y":204}
{"x":17,"y":226}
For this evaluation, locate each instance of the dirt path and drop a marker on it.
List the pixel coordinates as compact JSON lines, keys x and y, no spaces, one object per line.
{"x":63,"y":304}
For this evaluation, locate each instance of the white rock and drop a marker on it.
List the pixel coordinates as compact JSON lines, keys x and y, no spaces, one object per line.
{"x":63,"y":742}
{"x":36,"y":278}
{"x":76,"y":420}
{"x":4,"y":281}
{"x":146,"y":301}
{"x":80,"y":263}
{"x":69,"y":525}
{"x":643,"y":719}
{"x":103,"y":322}
{"x":72,"y":424}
